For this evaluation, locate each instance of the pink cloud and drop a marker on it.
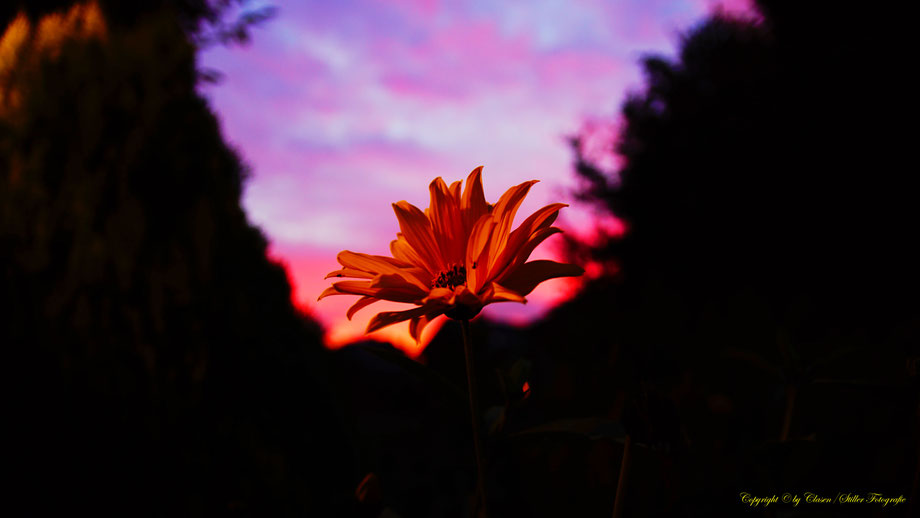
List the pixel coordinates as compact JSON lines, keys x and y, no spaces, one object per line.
{"x":422,"y":9}
{"x":563,"y":69}
{"x":421,"y":88}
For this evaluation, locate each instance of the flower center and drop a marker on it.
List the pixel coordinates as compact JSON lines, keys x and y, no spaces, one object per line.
{"x":451,"y":278}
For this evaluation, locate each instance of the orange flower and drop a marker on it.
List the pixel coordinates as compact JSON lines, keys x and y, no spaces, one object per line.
{"x":454,"y":258}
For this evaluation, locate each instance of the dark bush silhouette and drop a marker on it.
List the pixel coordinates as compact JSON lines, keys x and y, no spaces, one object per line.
{"x":155,"y":364}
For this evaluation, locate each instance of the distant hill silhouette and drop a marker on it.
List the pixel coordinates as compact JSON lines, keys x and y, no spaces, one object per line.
{"x":154,"y":361}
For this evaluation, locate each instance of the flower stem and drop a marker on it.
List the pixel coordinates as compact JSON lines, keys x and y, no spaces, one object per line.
{"x":474,"y":412}
{"x":621,"y":480}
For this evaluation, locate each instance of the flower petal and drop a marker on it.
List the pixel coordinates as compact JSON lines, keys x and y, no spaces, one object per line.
{"x":369,"y":263}
{"x":349,"y":288}
{"x":416,"y":325}
{"x":515,"y":252}
{"x":503,"y":213}
{"x":331,"y":290}
{"x":378,"y":264}
{"x":520,"y":256}
{"x":479,"y":236}
{"x":534,"y":241}
{"x":348,"y":272}
{"x":442,"y":296}
{"x":476,"y":252}
{"x":385,"y":287}
{"x":403,"y":251}
{"x":416,"y":228}
{"x":473,"y":201}
{"x":536,"y":221}
{"x":363,"y":302}
{"x":387,"y":318}
{"x":455,"y":192}
{"x":395,"y":281}
{"x":526,"y":277}
{"x":446,"y":224}
{"x":466,"y":297}
{"x":498,"y":293}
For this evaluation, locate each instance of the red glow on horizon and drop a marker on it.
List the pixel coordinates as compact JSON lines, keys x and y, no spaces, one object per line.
{"x":305,"y":274}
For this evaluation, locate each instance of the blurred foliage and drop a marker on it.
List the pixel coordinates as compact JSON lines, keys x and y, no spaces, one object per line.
{"x":204,"y":21}
{"x":155,"y":363}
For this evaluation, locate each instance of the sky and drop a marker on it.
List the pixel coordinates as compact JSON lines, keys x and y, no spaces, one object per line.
{"x":342,"y":108}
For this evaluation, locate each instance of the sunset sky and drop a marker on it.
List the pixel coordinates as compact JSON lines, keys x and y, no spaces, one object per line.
{"x":342,"y":108}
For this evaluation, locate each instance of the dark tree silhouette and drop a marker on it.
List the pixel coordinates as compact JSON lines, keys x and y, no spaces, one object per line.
{"x":762,"y":322}
{"x":154,"y":362}
{"x":750,"y":164}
